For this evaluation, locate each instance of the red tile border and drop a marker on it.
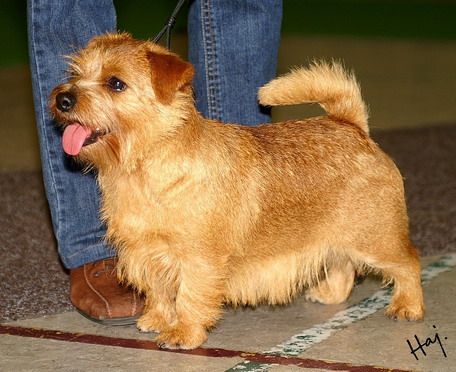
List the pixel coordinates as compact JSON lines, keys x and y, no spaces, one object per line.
{"x":207,"y":352}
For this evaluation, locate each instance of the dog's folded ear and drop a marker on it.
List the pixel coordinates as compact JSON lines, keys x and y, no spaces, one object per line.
{"x":169,"y":75}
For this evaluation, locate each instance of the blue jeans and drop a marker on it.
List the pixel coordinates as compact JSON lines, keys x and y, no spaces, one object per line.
{"x":234,"y":46}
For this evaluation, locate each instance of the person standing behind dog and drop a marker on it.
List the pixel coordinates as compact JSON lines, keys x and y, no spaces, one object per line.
{"x":233,"y":46}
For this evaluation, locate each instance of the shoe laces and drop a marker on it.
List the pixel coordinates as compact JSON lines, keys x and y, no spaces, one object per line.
{"x":107,"y":268}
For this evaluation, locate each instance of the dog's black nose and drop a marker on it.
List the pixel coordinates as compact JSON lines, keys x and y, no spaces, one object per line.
{"x":65,"y":101}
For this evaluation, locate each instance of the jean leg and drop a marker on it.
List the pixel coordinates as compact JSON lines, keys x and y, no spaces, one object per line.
{"x":234,"y":46}
{"x":57,"y":28}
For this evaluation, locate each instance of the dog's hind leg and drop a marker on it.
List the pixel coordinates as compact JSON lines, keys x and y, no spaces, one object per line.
{"x":407,"y":302}
{"x":336,"y":286}
{"x":399,"y":262}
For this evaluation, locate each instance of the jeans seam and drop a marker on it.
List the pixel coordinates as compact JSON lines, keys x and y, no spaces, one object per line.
{"x":211,"y":61}
{"x":43,"y":109}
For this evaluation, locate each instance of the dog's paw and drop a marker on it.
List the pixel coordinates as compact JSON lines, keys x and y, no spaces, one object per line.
{"x":312,"y":295}
{"x":405,"y":308}
{"x":324,"y":296}
{"x":405,"y":312}
{"x":151,"y":322}
{"x":182,"y":337}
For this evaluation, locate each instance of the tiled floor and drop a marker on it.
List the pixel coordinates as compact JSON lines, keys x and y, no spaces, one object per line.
{"x":301,"y":336}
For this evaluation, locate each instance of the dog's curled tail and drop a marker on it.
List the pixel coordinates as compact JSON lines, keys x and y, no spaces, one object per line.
{"x":327,"y":84}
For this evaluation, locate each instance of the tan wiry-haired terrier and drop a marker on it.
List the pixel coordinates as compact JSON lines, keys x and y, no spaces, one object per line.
{"x":203,"y":213}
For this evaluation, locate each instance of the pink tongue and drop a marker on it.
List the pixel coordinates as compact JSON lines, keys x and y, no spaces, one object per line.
{"x":74,"y":137}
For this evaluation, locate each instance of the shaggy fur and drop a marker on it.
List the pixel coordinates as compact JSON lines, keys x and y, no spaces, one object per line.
{"x":203,"y":213}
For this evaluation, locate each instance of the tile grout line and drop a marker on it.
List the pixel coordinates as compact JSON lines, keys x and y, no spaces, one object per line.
{"x":304,"y":340}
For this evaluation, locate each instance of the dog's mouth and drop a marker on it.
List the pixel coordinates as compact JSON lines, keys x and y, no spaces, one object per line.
{"x":76,"y":135}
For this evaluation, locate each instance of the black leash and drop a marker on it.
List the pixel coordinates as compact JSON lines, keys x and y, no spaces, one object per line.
{"x":169,"y":25}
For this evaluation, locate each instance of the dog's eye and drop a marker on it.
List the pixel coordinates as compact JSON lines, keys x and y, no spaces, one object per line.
{"x":115,"y":84}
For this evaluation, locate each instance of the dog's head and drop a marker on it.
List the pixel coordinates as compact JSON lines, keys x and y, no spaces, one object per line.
{"x":120,"y":92}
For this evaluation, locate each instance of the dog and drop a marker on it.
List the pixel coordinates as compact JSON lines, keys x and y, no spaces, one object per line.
{"x":204,"y":214}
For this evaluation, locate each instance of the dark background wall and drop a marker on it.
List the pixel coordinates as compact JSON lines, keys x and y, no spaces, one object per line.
{"x":410,"y":19}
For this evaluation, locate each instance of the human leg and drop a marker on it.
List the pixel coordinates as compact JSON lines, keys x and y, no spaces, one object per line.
{"x":58,"y":28}
{"x":233,"y":46}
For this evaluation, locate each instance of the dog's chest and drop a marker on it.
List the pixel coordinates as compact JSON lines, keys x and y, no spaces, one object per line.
{"x":133,"y":207}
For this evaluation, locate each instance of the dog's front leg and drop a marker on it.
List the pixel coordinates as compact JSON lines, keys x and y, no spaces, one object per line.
{"x":155,"y":273}
{"x":159,"y":312}
{"x":198,"y":303}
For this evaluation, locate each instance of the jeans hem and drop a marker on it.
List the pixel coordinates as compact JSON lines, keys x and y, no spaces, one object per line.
{"x":88,"y":254}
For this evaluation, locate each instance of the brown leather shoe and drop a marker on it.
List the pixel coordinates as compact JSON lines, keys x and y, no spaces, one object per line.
{"x":97,"y":295}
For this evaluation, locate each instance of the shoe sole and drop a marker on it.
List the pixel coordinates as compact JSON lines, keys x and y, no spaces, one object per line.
{"x":112,"y":321}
